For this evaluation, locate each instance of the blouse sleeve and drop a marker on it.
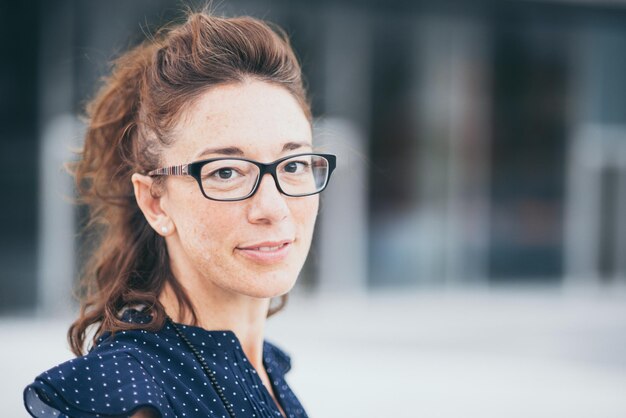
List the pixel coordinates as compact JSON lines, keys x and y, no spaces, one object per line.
{"x":278,"y":359}
{"x":110,"y":384}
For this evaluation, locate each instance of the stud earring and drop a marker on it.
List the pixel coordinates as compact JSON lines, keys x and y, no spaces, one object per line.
{"x":164,"y":229}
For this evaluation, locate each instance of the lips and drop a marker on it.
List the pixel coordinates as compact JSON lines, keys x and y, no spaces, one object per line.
{"x":265,"y":247}
{"x":267,"y":252}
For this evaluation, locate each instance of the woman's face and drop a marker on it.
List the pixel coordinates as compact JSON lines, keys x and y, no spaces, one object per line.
{"x":232,"y":245}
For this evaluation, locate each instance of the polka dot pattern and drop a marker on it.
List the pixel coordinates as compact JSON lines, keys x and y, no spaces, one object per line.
{"x":139,"y":368}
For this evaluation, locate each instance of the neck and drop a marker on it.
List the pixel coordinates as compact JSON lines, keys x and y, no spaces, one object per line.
{"x":217,"y":309}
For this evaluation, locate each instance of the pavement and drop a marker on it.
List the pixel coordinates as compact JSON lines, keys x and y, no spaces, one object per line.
{"x":436,"y":353}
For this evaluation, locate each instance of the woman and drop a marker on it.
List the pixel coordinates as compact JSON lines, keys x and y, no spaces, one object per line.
{"x":202,"y":183}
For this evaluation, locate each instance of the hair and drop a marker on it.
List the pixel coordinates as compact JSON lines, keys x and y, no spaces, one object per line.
{"x":129,"y":124}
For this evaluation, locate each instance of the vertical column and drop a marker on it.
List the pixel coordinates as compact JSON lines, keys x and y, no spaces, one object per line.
{"x":452,"y":102}
{"x":343,"y":214}
{"x":56,"y":271}
{"x":596,"y":146}
{"x":342,"y":231}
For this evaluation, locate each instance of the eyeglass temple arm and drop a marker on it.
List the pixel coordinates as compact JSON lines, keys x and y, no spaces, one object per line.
{"x":176,"y":170}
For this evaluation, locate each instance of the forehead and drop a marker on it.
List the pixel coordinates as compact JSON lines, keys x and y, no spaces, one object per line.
{"x":256,"y":117}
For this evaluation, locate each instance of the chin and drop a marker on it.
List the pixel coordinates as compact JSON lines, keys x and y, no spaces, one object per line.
{"x":271,"y":285}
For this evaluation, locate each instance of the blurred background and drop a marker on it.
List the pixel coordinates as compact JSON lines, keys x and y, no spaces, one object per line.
{"x":470,"y":256}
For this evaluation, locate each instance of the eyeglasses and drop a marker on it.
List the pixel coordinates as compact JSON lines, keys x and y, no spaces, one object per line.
{"x":231,"y":179}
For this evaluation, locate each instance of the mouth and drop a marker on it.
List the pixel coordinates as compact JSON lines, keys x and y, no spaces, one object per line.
{"x":268,"y":252}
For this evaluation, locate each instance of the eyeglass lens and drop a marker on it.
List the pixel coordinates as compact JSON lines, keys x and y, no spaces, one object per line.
{"x":234,"y":179}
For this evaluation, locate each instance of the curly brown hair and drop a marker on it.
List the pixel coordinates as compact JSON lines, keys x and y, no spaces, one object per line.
{"x":129,"y":123}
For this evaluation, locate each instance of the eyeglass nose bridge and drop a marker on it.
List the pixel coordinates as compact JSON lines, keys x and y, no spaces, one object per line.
{"x":267,"y":169}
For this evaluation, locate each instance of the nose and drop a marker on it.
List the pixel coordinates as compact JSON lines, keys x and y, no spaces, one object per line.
{"x":267,"y":205}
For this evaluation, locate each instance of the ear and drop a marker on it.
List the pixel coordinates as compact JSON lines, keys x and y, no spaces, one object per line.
{"x":150,"y":205}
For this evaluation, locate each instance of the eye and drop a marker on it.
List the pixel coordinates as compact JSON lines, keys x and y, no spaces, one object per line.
{"x":294,"y":167}
{"x":224,"y":173}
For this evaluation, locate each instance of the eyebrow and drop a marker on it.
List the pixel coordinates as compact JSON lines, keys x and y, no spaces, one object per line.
{"x":235,"y":151}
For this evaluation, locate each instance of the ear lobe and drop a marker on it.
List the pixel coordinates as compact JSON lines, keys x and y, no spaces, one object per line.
{"x":149,"y":203}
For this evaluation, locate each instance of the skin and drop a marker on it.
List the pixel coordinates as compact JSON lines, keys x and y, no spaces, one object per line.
{"x":230,"y":290}
{"x":146,"y":413}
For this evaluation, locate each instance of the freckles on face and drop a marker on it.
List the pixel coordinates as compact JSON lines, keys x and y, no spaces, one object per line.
{"x":255,"y":246}
{"x":212,"y":239}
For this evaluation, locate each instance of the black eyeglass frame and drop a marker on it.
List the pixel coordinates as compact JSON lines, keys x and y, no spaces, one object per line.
{"x":194,"y":170}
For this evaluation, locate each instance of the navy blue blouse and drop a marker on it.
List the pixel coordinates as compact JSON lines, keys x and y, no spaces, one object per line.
{"x":139,"y":368}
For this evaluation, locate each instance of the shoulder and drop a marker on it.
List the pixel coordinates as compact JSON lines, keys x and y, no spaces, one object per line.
{"x":111,"y":380}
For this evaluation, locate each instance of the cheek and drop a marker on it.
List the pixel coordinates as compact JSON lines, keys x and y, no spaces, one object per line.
{"x":210,"y":226}
{"x":208,"y":237}
{"x":202,"y":223}
{"x":305,"y":212}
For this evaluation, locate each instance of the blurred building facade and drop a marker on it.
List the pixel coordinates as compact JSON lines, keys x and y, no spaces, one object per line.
{"x":479,"y":142}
